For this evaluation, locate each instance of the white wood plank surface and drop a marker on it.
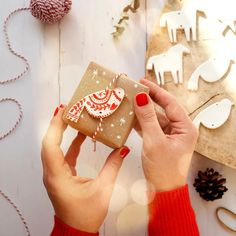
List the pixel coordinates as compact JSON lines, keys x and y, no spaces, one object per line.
{"x":58,"y":56}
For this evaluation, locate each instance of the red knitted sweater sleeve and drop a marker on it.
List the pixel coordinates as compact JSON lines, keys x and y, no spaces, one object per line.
{"x":171,"y":214}
{"x":62,"y":229}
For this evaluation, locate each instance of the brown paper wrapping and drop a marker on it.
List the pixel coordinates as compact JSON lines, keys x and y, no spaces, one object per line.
{"x":116,"y":127}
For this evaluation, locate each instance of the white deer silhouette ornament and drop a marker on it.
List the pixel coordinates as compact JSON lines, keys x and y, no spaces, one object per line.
{"x":171,"y":61}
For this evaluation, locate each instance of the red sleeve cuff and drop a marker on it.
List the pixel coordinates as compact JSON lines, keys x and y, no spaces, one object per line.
{"x":171,"y":214}
{"x":62,"y":229}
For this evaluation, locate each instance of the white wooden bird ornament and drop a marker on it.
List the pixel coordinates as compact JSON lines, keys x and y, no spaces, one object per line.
{"x":214,"y":115}
{"x":210,"y":71}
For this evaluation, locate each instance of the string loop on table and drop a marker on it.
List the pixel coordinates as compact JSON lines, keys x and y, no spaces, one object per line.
{"x":12,"y":50}
{"x":2,"y":136}
{"x":17,"y":211}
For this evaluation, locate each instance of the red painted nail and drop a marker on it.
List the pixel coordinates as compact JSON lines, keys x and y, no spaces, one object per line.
{"x":124,"y":152}
{"x":62,"y":106}
{"x":56,"y":111}
{"x":142,"y":99}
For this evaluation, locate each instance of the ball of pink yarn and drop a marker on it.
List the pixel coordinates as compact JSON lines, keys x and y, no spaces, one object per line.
{"x":50,"y":11}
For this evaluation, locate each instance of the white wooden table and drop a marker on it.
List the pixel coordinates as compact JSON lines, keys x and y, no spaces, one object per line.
{"x":59,"y":55}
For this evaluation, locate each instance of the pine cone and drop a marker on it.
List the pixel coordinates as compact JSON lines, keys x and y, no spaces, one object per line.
{"x":209,"y":185}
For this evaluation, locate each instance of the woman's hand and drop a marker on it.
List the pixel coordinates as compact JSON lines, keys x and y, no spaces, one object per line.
{"x":169,"y":138}
{"x":80,"y":202}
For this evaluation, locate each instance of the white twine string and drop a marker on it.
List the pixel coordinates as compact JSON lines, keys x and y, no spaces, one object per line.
{"x":12,"y":50}
{"x":99,"y":127}
{"x":113,"y":81}
{"x":23,"y":58}
{"x":2,"y":136}
{"x":17,"y":210}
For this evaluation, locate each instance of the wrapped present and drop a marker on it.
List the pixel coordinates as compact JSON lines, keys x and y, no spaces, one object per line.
{"x":102,"y":106}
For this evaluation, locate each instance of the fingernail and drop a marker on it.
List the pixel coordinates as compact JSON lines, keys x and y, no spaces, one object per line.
{"x":124,"y":152}
{"x":62,"y":106}
{"x":142,"y":99}
{"x":56,"y":111}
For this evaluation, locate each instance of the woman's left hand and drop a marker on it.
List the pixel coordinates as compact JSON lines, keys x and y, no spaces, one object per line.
{"x":81,"y":203}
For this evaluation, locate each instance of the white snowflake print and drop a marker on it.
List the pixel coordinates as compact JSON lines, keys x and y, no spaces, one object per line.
{"x":95,"y":73}
{"x":122,"y":121}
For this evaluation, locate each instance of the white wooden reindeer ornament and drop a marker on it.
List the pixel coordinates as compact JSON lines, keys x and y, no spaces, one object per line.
{"x":171,"y":61}
{"x":185,"y":19}
{"x":210,"y":71}
{"x":214,"y":115}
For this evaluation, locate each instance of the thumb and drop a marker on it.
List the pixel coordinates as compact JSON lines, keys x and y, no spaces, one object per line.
{"x":146,"y":115}
{"x":52,"y":155}
{"x":112,"y":166}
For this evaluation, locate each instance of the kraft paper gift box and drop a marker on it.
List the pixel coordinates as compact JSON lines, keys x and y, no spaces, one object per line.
{"x":116,"y":127}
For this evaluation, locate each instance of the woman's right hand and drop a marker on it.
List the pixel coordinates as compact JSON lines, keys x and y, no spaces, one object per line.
{"x":169,"y":138}
{"x":79,"y":202}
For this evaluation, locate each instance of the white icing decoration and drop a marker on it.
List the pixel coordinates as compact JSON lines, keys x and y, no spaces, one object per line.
{"x":97,"y":82}
{"x":210,"y":71}
{"x":172,"y":61}
{"x":214,"y":115}
{"x":131,"y":113}
{"x":136,"y":85}
{"x":118,"y":137}
{"x":82,"y":116}
{"x":95,"y":73}
{"x":185,"y":19}
{"x":112,"y":125}
{"x":122,"y":121}
{"x":101,"y":129}
{"x":104,"y":73}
